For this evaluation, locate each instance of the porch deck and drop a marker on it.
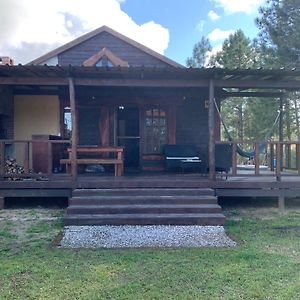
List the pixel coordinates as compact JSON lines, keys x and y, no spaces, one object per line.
{"x":241,"y":184}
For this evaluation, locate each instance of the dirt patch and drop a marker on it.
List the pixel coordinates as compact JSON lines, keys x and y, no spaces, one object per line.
{"x":19,"y":226}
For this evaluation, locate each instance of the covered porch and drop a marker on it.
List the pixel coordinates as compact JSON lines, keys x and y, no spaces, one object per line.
{"x":140,"y":110}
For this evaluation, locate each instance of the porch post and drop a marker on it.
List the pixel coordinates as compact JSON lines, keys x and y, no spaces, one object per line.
{"x":211,"y":132}
{"x":281,"y":131}
{"x":74,"y":132}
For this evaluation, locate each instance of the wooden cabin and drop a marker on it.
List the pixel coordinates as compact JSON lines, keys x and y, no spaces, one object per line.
{"x":105,"y":100}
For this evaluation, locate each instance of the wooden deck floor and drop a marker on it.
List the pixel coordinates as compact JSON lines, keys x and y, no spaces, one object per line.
{"x":243,"y":184}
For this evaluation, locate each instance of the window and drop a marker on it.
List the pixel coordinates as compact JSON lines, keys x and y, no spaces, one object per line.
{"x":155,"y":130}
{"x":104,"y":62}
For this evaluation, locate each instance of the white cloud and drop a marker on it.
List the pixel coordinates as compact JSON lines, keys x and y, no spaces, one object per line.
{"x":213,"y":15}
{"x":52,"y":23}
{"x":235,"y":6}
{"x":218,"y":34}
{"x":200,"y":26}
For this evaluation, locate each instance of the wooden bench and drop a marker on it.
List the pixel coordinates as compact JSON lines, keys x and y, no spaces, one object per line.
{"x":97,"y":152}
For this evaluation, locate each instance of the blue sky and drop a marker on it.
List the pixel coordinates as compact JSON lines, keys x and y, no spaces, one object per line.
{"x":188,"y":20}
{"x":170,"y":27}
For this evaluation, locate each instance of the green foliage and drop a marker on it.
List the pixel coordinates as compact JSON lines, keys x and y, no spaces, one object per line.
{"x":237,"y":52}
{"x":279,"y":25}
{"x":200,"y":54}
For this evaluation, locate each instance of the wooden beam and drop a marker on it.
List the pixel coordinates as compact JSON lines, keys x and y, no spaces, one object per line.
{"x":234,"y":159}
{"x":270,"y":84}
{"x":278,"y":162}
{"x":211,"y":132}
{"x":256,"y":158}
{"x":298,"y":157}
{"x":26,"y":157}
{"x":281,"y":130}
{"x":250,"y":94}
{"x":104,"y":82}
{"x":34,"y":81}
{"x":74,"y":138}
{"x":104,"y":126}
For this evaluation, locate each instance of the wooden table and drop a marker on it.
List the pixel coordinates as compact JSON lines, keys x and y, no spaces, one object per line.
{"x":98,"y":155}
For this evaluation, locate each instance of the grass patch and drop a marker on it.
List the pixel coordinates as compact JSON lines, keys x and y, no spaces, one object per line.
{"x":265,"y":265}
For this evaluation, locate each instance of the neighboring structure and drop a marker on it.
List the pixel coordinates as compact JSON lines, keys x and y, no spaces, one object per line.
{"x":6,"y":60}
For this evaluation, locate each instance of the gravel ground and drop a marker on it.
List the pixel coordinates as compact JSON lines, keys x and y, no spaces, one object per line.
{"x":144,"y":236}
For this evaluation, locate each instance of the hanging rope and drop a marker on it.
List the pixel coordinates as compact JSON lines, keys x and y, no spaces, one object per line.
{"x":261,"y":147}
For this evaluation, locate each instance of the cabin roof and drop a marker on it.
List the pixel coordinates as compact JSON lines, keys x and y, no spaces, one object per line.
{"x":95,"y":32}
{"x":127,"y":76}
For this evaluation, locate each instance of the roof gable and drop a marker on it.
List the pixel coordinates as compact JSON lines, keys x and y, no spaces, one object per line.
{"x":105,"y":29}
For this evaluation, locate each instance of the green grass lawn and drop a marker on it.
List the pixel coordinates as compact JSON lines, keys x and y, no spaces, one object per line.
{"x":265,"y":265}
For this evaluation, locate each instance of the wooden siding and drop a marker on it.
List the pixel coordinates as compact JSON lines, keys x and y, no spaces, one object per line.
{"x":88,"y":125}
{"x":134,"y":56}
{"x":192,"y":124}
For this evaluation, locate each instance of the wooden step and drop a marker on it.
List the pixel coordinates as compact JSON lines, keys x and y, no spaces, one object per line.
{"x":143,"y":191}
{"x":145,"y":219}
{"x":154,"y":199}
{"x":143,"y":209}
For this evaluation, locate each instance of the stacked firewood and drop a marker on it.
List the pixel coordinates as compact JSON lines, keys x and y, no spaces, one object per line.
{"x":11,"y":167}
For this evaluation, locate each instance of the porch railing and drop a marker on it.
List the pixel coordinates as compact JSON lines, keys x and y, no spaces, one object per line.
{"x":279,"y":158}
{"x":31,"y":158}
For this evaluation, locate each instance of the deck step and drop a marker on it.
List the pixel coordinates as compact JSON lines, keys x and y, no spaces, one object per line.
{"x":143,"y":191}
{"x":145,"y":209}
{"x":145,"y":219}
{"x":132,"y":199}
{"x":144,"y":206}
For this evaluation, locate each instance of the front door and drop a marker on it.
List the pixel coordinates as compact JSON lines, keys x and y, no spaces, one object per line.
{"x":128,"y":135}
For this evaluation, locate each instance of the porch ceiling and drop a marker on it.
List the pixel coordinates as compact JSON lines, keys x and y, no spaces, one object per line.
{"x":44,"y":75}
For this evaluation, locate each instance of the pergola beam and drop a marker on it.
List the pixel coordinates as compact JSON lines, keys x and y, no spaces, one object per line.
{"x":140,"y":82}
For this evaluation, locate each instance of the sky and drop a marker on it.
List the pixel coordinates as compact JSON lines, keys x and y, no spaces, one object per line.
{"x":30,"y":28}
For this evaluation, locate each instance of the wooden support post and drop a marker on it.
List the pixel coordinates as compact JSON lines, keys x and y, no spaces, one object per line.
{"x":211,"y":132}
{"x":104,"y":126}
{"x":2,"y":160}
{"x":281,"y":131}
{"x":26,"y":157}
{"x":272,"y":157}
{"x":278,"y":164}
{"x":1,"y":202}
{"x":298,"y":157}
{"x":234,"y":159}
{"x":49,"y":158}
{"x":256,"y":158}
{"x":288,"y":156}
{"x":74,"y":139}
{"x":281,"y":203}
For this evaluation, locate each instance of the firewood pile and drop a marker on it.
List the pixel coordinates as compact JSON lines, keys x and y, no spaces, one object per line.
{"x":11,"y":167}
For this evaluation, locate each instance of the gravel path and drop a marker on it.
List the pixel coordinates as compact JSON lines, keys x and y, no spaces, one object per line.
{"x":144,"y":236}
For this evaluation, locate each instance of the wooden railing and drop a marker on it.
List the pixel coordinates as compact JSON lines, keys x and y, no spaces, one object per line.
{"x":36,"y":158}
{"x":280,"y":158}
